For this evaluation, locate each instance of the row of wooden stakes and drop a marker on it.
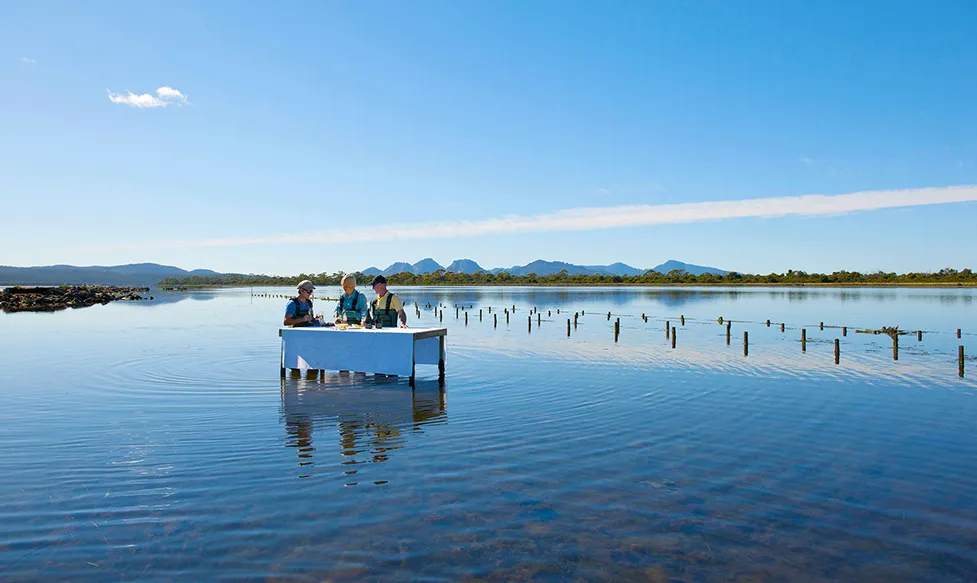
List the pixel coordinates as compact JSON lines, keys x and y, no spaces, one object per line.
{"x":671,"y":333}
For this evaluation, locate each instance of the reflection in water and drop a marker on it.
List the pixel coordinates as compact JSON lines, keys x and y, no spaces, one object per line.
{"x":373,"y":418}
{"x":143,"y":441}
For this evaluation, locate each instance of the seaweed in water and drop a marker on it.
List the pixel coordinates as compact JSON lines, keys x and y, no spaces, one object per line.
{"x":891,"y":331}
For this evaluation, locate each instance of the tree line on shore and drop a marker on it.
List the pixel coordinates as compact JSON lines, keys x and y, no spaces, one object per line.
{"x":791,"y":277}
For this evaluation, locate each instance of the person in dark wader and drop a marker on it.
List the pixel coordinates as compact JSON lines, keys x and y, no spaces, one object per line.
{"x":352,"y":303}
{"x":387,"y":307}
{"x":298,"y":312}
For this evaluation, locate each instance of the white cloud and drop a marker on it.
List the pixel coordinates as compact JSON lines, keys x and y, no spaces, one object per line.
{"x":28,"y":61}
{"x":808,"y":162}
{"x":164,"y":96}
{"x":613,"y":217}
{"x":170,"y":94}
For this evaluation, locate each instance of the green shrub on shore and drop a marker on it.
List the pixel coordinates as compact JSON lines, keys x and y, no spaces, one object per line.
{"x":944,"y":277}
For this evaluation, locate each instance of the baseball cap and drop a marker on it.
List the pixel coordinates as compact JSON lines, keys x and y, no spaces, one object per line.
{"x":378,"y":279}
{"x":306,"y":284}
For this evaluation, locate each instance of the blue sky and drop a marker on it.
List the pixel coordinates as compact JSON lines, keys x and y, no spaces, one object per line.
{"x":324,"y":136}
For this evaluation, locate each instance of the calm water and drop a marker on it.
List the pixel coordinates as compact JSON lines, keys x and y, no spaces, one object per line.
{"x":156,"y":442}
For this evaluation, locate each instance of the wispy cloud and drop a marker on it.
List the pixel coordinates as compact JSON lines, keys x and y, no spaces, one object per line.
{"x":28,"y":61}
{"x":828,"y":166}
{"x":164,"y":96}
{"x":613,"y":217}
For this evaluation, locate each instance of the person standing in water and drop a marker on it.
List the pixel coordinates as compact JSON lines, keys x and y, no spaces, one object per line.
{"x":387,"y":307}
{"x":298,"y":312}
{"x":352,"y":303}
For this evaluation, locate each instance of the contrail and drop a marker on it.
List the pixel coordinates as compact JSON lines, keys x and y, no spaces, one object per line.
{"x":593,"y":218}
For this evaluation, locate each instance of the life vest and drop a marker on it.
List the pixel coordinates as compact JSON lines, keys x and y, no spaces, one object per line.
{"x":386,"y":316}
{"x":352,"y":314}
{"x":301,"y":312}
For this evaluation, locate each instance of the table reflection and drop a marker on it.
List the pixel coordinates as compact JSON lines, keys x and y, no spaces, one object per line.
{"x":373,"y":417}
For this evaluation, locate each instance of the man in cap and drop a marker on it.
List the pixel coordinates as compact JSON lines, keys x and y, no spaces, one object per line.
{"x":387,"y":307}
{"x":298,"y":312}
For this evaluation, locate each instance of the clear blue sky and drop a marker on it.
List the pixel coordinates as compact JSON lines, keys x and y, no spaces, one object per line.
{"x":336,"y":122}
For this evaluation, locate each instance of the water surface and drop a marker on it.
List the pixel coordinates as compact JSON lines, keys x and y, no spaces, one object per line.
{"x":157,"y":442}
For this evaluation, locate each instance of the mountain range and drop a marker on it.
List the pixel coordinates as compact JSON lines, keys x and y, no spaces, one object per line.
{"x":540,"y":267}
{"x":131,"y":274}
{"x":149,"y":274}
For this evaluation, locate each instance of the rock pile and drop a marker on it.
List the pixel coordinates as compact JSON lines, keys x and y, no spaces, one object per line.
{"x":50,"y":299}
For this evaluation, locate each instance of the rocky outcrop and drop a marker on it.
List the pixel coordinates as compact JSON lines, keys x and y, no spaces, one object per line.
{"x":50,"y":299}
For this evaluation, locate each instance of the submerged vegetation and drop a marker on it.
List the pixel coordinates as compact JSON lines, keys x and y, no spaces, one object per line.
{"x":944,"y":277}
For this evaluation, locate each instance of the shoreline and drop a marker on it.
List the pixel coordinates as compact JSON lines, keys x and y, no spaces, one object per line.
{"x":611,"y":285}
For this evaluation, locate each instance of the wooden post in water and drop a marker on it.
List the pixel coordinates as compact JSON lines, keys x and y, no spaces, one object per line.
{"x":480,"y":314}
{"x":456,"y":312}
{"x":608,"y":316}
{"x":583,"y":312}
{"x":549,"y":313}
{"x":837,"y":351}
{"x":539,"y":318}
{"x":507,"y":316}
{"x":441,"y":316}
{"x":803,"y":339}
{"x":667,"y":328}
{"x":746,"y":343}
{"x":490,"y":309}
{"x":617,"y":328}
{"x":728,"y":324}
{"x":960,"y":360}
{"x":781,"y":326}
{"x":495,"y":320}
{"x":844,"y":330}
{"x":958,"y":332}
{"x":530,"y":320}
{"x":466,"y":318}
{"x":682,"y":317}
{"x":895,"y":347}
{"x":673,"y":337}
{"x":568,"y":327}
{"x":821,"y":325}
{"x":558,"y":310}
{"x":768,"y":322}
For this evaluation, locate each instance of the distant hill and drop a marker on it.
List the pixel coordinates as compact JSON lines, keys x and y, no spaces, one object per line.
{"x":464,"y":266}
{"x":672,"y":264}
{"x":399,"y":267}
{"x":540,"y":267}
{"x":616,"y":269}
{"x":426,"y":265}
{"x":130,"y":274}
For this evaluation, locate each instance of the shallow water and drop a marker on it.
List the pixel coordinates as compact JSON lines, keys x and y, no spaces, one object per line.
{"x":156,"y":441}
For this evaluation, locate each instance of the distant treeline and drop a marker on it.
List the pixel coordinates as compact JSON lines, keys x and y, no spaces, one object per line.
{"x":942,"y":277}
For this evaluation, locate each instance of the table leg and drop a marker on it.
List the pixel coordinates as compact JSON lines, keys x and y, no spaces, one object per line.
{"x":441,"y":361}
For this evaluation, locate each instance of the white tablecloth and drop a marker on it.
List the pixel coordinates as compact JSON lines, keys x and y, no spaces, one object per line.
{"x":387,"y":351}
